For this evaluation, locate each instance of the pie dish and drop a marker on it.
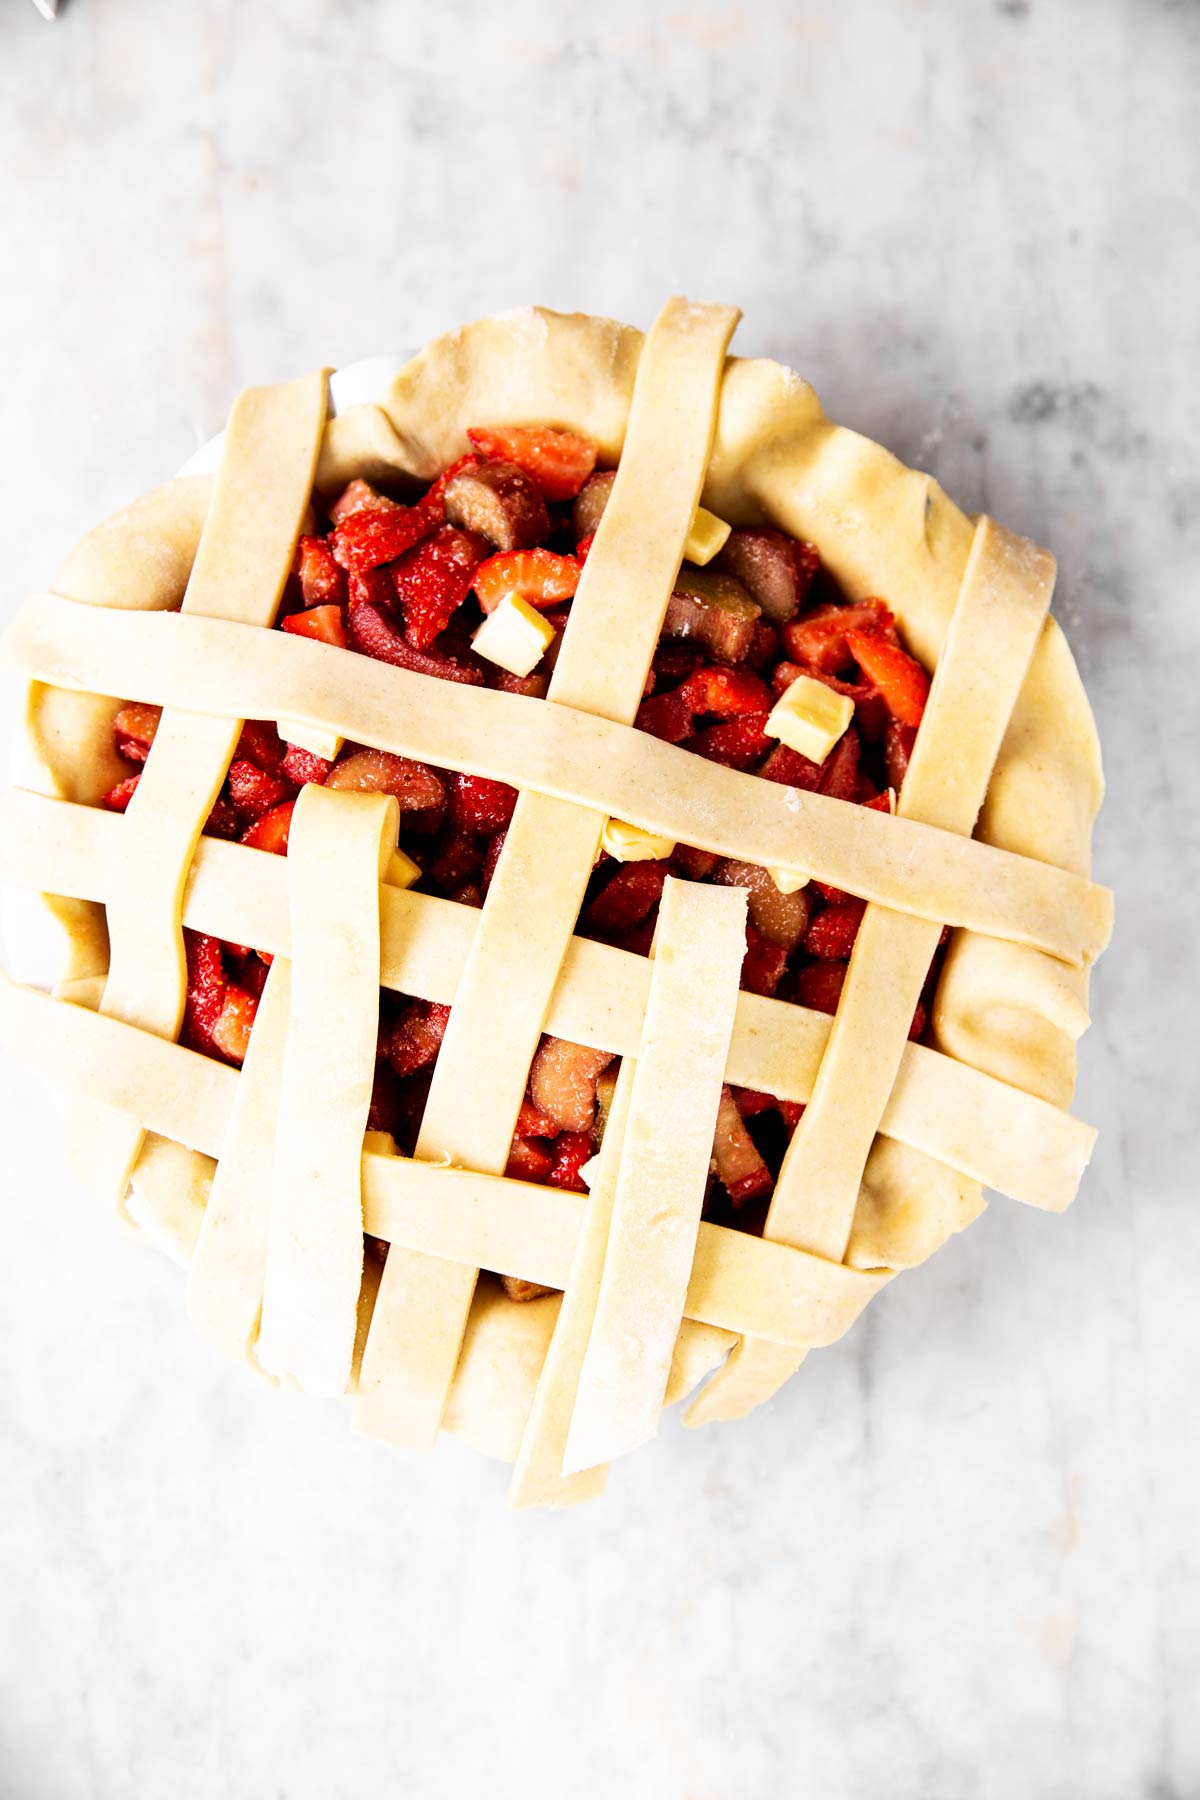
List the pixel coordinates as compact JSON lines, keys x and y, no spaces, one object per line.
{"x":710,"y":802}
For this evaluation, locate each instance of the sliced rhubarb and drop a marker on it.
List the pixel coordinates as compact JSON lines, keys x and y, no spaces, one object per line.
{"x":500,"y":501}
{"x":736,"y":1158}
{"x":776,"y":570}
{"x":380,"y":772}
{"x":715,"y":610}
{"x":781,"y":918}
{"x":559,"y":462}
{"x":370,"y":631}
{"x":562,"y":1082}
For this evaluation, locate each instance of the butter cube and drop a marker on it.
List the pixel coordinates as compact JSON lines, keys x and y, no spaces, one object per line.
{"x":810,"y":718}
{"x":515,"y":637}
{"x":628,"y":843}
{"x":401,"y":871}
{"x":707,"y":535}
{"x":788,"y":881}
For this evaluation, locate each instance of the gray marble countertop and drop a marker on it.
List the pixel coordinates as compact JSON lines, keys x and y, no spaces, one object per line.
{"x":957,"y":1558}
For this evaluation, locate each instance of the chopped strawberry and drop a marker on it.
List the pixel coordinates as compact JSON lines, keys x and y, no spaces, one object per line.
{"x":478,"y":803}
{"x":734,"y":742}
{"x":223,"y":821}
{"x":118,"y":798}
{"x":695,"y":864}
{"x":206,"y":986}
{"x":583,"y":546}
{"x":134,"y":728}
{"x":231,"y":1031}
{"x":533,"y":685}
{"x":571,"y":1151}
{"x":919,"y":1021}
{"x":898,"y":676}
{"x":791,"y":1112}
{"x":736,"y":1158}
{"x":764,"y":647}
{"x":763,"y":965}
{"x":818,"y":637}
{"x":724,"y":693}
{"x":379,"y":533}
{"x":528,"y":1161}
{"x":254,"y":792}
{"x":457,"y":859}
{"x":791,"y":769}
{"x":261,"y":745}
{"x":885,"y":802}
{"x":416,"y":1036}
{"x":532,"y":1122}
{"x":819,"y":986}
{"x":540,"y":576}
{"x":632,"y":891}
{"x":324,"y":623}
{"x":387,"y":1106}
{"x":832,"y":933}
{"x":370,"y":631}
{"x":751,"y":1101}
{"x":562,"y":1082}
{"x":897,"y":750}
{"x":558,"y":461}
{"x":414,"y":785}
{"x":322,"y":580}
{"x":839,"y":771}
{"x":434,"y":579}
{"x":491,"y":857}
{"x":271,"y":831}
{"x":302,"y":766}
{"x":358,"y":496}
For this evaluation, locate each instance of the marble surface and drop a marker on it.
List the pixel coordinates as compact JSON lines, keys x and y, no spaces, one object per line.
{"x":957,"y":1558}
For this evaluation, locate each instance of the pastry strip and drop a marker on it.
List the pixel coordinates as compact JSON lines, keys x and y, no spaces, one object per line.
{"x":738,"y":1283}
{"x":502,"y":999}
{"x":229,"y":1263}
{"x":339,"y":846}
{"x":537,"y":1478}
{"x":592,"y":762}
{"x":665,"y":1153}
{"x":1001,"y":609}
{"x":999,"y":1135}
{"x":241,"y":565}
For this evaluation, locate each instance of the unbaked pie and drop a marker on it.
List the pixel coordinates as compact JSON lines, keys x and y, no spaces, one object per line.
{"x":580,"y":817}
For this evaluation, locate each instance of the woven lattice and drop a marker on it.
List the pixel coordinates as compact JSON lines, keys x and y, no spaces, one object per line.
{"x":265,"y":1179}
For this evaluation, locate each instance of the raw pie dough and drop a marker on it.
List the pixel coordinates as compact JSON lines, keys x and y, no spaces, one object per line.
{"x":888,"y":1159}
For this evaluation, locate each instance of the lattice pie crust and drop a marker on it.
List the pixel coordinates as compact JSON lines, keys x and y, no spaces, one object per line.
{"x":262,"y":1181}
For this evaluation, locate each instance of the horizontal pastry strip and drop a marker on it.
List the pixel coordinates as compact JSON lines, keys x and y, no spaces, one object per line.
{"x":998,"y":1135}
{"x":738,"y":1283}
{"x":210,"y":666}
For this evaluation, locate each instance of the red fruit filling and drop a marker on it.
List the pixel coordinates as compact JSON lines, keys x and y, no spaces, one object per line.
{"x":408,"y":584}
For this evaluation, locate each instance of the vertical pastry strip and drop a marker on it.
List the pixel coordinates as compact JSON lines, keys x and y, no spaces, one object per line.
{"x":537,"y":1475}
{"x":661,"y":1183}
{"x":501,"y":1002}
{"x":1001,"y":610}
{"x":229,"y":1263}
{"x":339,"y":847}
{"x":242,"y":563}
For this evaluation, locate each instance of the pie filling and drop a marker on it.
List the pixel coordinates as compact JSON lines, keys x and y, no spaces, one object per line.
{"x":472,"y":581}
